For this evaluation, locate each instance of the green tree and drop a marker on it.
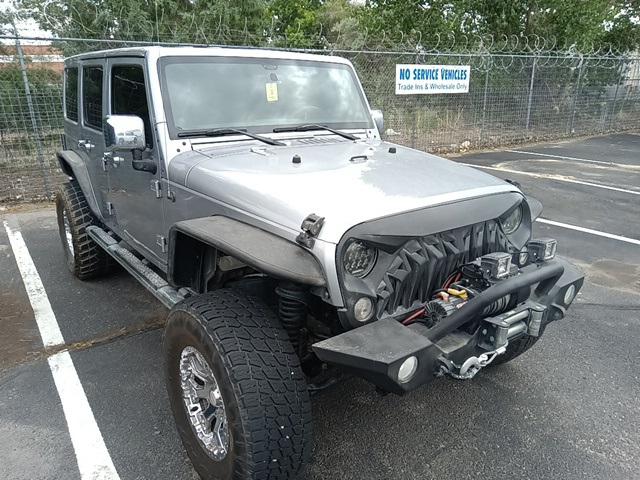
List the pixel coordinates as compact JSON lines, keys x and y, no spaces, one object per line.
{"x":220,"y":21}
{"x":585,"y":24}
{"x":445,"y":24}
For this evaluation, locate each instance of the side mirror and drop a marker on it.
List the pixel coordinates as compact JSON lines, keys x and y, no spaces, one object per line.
{"x":144,"y":166}
{"x":378,"y":118}
{"x":123,"y":132}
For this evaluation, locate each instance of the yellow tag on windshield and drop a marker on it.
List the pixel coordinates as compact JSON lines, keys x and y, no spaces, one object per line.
{"x":272,"y":91}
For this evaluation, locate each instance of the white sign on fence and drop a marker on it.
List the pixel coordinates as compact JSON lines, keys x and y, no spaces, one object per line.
{"x":430,"y":79}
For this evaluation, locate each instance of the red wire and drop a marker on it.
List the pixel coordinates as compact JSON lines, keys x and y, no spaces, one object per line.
{"x":452,"y":279}
{"x":420,"y":312}
{"x":417,"y":314}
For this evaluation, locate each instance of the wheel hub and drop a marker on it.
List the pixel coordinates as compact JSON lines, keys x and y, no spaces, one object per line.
{"x":203,"y":403}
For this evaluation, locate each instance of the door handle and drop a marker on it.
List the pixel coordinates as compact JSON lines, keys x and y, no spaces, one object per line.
{"x":86,"y":144}
{"x":109,"y":157}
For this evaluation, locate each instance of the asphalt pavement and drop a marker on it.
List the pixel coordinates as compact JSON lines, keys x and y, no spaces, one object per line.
{"x":567,"y":409}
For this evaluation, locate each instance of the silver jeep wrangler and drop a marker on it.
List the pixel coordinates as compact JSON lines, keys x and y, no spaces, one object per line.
{"x":251,"y":193}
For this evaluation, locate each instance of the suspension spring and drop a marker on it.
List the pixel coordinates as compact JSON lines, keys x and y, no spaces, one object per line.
{"x":292,"y":310}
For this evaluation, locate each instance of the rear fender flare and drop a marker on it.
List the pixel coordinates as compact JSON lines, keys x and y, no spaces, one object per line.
{"x":74,"y":167}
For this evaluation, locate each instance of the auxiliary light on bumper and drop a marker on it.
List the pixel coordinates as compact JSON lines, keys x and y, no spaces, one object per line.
{"x":399,"y":358}
{"x":542,"y":249}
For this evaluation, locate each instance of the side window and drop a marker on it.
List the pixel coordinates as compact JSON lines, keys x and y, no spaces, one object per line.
{"x":129,"y":96}
{"x":92,"y":96}
{"x":71,"y":93}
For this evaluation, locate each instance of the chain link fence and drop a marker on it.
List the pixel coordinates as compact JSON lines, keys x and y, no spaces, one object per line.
{"x":513,"y":98}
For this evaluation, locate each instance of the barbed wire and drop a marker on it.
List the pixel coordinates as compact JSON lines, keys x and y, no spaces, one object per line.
{"x":485,"y":51}
{"x":344,"y":36}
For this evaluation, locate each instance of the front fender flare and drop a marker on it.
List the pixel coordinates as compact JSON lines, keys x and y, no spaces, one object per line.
{"x":261,"y":250}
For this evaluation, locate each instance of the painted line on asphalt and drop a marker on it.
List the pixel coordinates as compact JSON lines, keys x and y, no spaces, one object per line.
{"x":577,"y":159}
{"x":558,"y":178}
{"x":589,"y":230}
{"x":94,"y":461}
{"x":46,"y":320}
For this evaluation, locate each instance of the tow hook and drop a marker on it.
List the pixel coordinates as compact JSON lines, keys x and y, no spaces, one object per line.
{"x":471,"y":365}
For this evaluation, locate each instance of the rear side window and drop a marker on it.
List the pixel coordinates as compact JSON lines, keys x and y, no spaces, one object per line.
{"x":92,"y":97}
{"x":71,"y":93}
{"x":129,"y":96}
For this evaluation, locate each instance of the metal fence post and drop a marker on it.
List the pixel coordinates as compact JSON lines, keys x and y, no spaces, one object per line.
{"x":484,"y":99}
{"x":533,"y":76}
{"x":615,"y":96}
{"x":414,"y":115}
{"x":575,"y":97}
{"x":32,"y":113}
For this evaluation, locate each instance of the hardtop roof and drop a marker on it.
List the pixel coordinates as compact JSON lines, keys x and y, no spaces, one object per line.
{"x":191,"y":51}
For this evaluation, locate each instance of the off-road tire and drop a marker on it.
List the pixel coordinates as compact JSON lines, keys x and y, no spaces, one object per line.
{"x":87,"y":260}
{"x":515,"y":349}
{"x":259,"y":375}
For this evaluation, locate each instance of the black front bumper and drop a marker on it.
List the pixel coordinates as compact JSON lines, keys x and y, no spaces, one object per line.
{"x":377,"y":350}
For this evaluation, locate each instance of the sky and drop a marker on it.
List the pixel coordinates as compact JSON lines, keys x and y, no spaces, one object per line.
{"x":28,"y":28}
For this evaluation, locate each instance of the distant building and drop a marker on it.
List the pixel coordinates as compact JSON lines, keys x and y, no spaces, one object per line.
{"x":36,"y":56}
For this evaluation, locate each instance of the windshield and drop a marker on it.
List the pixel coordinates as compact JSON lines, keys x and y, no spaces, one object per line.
{"x":202,"y":93}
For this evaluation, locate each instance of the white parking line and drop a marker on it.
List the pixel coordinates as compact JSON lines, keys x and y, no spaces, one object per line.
{"x":590,"y":231}
{"x":577,"y":159}
{"x":558,"y":178}
{"x":92,"y":455}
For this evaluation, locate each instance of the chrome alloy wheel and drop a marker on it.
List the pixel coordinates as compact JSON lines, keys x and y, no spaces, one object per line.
{"x":203,"y":403}
{"x":67,"y":233}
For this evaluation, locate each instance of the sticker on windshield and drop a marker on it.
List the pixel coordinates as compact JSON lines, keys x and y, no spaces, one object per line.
{"x":272,"y":91}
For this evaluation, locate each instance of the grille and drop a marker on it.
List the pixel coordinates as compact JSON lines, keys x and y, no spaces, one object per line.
{"x":422,"y":265}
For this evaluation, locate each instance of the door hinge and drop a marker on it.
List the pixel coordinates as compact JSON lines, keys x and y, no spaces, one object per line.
{"x":110,"y":208}
{"x":156,"y":186}
{"x":162,"y":243}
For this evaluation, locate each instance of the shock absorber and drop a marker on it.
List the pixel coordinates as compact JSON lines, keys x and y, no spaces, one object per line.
{"x":292,"y":310}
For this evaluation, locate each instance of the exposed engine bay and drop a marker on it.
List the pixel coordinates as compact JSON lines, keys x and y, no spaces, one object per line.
{"x":466,"y":282}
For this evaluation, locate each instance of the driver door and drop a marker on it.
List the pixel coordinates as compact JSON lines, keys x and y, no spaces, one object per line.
{"x":135,"y":195}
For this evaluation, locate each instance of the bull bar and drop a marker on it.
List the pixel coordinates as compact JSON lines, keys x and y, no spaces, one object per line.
{"x":376,"y":351}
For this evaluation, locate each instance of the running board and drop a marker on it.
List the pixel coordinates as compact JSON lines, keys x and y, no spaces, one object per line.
{"x":153,"y":282}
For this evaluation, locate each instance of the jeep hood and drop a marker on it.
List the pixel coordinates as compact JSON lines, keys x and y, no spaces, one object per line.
{"x":346,"y":182}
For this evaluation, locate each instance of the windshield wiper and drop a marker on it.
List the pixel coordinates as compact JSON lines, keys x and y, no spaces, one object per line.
{"x":314,"y":126}
{"x":219,"y":132}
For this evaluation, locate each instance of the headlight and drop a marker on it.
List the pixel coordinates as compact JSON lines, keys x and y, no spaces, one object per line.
{"x":511,"y":222}
{"x":359,"y":259}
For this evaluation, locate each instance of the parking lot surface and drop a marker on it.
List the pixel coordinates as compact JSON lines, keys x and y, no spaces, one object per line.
{"x":569,"y":408}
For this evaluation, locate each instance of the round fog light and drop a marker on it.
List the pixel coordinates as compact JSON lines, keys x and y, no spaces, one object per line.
{"x":569,"y":294}
{"x":407,"y":369}
{"x":523,"y":257}
{"x":363,"y":309}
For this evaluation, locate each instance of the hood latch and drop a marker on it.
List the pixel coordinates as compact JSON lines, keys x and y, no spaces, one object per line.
{"x":310,"y":227}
